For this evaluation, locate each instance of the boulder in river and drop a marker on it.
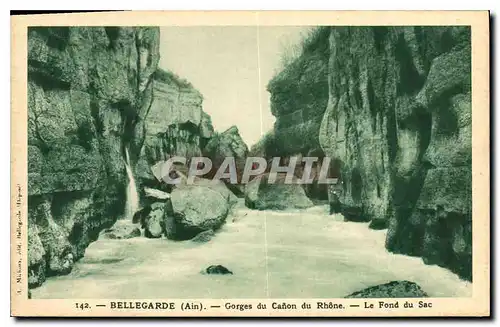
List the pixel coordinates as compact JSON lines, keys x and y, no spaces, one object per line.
{"x":141,"y":215}
{"x":154,"y":221}
{"x":122,"y":229}
{"x":394,"y":289}
{"x":194,"y":209}
{"x":203,"y":237}
{"x":261,"y":195}
{"x":215,"y":185}
{"x":217,"y":270}
{"x":156,"y":194}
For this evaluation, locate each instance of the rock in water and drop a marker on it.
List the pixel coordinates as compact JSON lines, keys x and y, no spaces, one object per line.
{"x":395,"y":289}
{"x":215,"y":185}
{"x":218,"y":270}
{"x":122,"y":229}
{"x":203,"y":237}
{"x":140,"y":216}
{"x":157,"y":194}
{"x":259,"y":194}
{"x":194,"y":209}
{"x":154,"y":222}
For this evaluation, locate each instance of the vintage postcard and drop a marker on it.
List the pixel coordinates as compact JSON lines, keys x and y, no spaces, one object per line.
{"x":264,"y":164}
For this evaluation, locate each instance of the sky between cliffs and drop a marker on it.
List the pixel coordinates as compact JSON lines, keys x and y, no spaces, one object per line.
{"x":223,"y":64}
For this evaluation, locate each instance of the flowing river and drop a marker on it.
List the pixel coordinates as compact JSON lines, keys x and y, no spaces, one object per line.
{"x":293,"y":254}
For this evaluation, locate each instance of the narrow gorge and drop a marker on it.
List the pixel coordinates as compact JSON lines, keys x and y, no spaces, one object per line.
{"x":390,"y":106}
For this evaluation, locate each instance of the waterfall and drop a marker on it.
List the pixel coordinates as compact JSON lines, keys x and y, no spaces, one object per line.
{"x":132,"y":203}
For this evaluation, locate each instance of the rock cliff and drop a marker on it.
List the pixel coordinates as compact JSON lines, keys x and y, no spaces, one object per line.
{"x":93,"y":93}
{"x":176,"y":125}
{"x":396,"y":118}
{"x":299,"y":97}
{"x":227,"y":144}
{"x":89,"y":90}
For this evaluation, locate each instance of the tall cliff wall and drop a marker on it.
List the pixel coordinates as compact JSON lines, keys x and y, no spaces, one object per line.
{"x":176,"y":125}
{"x":397,"y":122}
{"x":299,"y":96}
{"x":89,"y":90}
{"x":93,"y":93}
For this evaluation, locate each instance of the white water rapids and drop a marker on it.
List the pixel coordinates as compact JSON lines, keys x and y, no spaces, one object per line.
{"x":294,"y":254}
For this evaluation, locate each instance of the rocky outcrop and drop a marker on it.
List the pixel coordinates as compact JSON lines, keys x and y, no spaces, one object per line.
{"x":227,"y":144}
{"x":194,"y":209}
{"x":203,"y":237}
{"x":189,"y":211}
{"x":175,"y":125}
{"x":397,"y":125}
{"x":122,"y":229}
{"x":89,"y":90}
{"x":396,"y":289}
{"x":261,"y":195}
{"x":154,"y":222}
{"x":216,"y":270}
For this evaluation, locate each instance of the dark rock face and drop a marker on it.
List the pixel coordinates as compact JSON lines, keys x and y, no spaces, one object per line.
{"x":398,"y":126}
{"x":89,"y":89}
{"x":261,"y":195}
{"x":141,"y":215}
{"x":217,"y":270}
{"x":395,"y":289}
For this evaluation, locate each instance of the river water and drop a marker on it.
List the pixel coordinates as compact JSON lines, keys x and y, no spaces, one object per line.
{"x":295,"y":254}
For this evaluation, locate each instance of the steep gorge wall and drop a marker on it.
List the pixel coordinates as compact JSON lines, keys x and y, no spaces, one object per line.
{"x":299,"y":96}
{"x":176,"y":125}
{"x":93,"y":93}
{"x":89,"y":90}
{"x":398,"y":125}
